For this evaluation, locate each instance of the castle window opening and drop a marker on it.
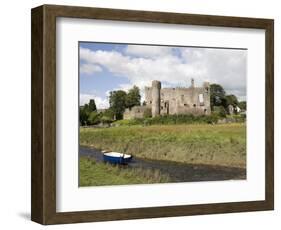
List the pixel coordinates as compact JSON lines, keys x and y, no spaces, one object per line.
{"x":194,"y":105}
{"x":201,"y":99}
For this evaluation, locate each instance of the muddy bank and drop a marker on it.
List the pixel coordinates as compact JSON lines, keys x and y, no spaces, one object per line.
{"x":178,"y":172}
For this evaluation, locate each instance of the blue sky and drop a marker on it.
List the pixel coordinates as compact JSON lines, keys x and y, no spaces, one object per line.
{"x":98,"y":83}
{"x":105,"y":67}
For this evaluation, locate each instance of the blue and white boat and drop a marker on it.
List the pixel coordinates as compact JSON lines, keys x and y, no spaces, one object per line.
{"x":116,"y":158}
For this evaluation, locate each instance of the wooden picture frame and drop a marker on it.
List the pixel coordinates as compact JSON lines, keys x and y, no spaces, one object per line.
{"x":43,"y":202}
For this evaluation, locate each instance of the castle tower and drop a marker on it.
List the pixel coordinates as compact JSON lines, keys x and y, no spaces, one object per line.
{"x":206,"y":86}
{"x":156,"y":87}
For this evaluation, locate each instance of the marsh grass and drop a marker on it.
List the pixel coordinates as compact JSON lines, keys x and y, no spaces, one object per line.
{"x":220,"y":144}
{"x":171,"y":120}
{"x":94,"y":174}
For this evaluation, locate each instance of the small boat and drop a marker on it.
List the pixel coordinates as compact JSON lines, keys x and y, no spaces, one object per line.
{"x":116,"y":158}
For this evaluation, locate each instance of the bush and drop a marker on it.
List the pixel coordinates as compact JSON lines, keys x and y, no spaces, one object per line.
{"x":128,"y":122}
{"x":105,"y":119}
{"x":94,"y":118}
{"x":108,"y":113}
{"x":243,"y":115}
{"x":212,"y":119}
{"x":83,"y":116}
{"x":170,"y":120}
{"x":219,"y":111}
{"x":147,"y":113}
{"x":239,"y":117}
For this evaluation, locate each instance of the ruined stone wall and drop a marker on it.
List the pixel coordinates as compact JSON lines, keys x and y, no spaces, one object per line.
{"x":192,"y":100}
{"x":148,"y":95}
{"x":135,"y":112}
{"x":185,"y":100}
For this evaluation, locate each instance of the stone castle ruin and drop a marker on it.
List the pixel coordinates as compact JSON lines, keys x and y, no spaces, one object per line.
{"x":169,"y":101}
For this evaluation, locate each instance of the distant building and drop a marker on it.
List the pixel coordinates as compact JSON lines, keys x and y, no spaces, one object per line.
{"x":233,"y":109}
{"x":165,"y":101}
{"x":238,"y":110}
{"x":230,"y":109}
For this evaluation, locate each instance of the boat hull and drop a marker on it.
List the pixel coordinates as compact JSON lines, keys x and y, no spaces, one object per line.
{"x":116,"y":159}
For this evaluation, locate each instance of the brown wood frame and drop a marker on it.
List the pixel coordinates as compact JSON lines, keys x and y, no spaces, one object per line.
{"x":43,"y":160}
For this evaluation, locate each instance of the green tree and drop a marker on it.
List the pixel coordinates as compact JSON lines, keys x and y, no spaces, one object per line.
{"x":117,"y":102}
{"x":84,"y":114}
{"x":92,"y":105}
{"x":94,"y":118}
{"x":242,"y":105}
{"x":231,"y":100}
{"x":105,"y":119}
{"x":219,"y":111}
{"x":86,"y":108}
{"x":133,"y":97}
{"x":217,"y":96}
{"x":109,"y":113}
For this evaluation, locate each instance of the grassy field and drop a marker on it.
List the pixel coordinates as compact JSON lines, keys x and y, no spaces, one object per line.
{"x":93,"y":174}
{"x":223,"y":144}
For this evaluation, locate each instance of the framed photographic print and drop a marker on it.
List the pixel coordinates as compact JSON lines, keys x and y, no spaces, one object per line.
{"x":139,"y":114}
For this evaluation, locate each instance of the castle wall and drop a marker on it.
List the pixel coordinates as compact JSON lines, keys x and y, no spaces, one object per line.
{"x":135,"y":112}
{"x":185,"y":100}
{"x":148,"y":95}
{"x":192,"y":100}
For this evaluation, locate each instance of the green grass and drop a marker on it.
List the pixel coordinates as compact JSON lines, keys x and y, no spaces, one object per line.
{"x":223,"y":144}
{"x":170,"y":120}
{"x":93,"y":174}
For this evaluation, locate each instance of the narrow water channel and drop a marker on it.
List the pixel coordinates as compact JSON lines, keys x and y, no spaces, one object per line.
{"x":178,"y":172}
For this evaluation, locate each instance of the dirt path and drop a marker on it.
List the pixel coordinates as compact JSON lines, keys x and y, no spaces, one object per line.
{"x":178,"y":172}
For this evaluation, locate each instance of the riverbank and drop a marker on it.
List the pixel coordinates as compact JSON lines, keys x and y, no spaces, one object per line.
{"x":214,"y":145}
{"x":93,"y":172}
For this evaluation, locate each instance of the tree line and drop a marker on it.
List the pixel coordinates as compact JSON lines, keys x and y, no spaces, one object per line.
{"x":220,"y":101}
{"x":119,"y":100}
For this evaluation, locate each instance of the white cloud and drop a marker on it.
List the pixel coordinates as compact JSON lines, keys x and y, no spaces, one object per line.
{"x":148,"y":51}
{"x":142,"y":64}
{"x":223,"y":66}
{"x":88,"y":68}
{"x":101,"y":103}
{"x":141,"y":71}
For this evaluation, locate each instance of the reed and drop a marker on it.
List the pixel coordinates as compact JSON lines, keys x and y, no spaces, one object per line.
{"x":220,"y":144}
{"x":92,"y":173}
